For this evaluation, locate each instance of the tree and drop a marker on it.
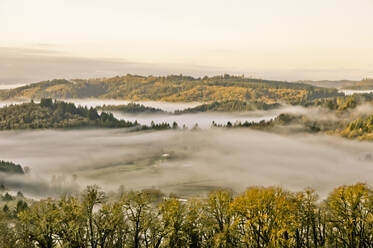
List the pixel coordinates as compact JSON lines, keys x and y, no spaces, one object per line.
{"x":39,"y":223}
{"x":350,"y":216}
{"x":111,"y":226}
{"x":92,"y":114}
{"x":173,"y":212}
{"x":194,"y":226}
{"x":136,"y":207}
{"x":21,"y":206}
{"x":219,"y":219}
{"x":72,"y":219}
{"x":6,"y":208}
{"x":46,"y":102}
{"x":310,"y":231}
{"x":174,"y":125}
{"x":265,"y":217}
{"x":8,"y":197}
{"x":92,"y":197}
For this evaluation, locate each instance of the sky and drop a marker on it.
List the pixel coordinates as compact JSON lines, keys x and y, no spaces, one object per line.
{"x":272,"y":39}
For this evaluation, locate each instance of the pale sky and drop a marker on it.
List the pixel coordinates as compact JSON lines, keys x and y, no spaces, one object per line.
{"x":275,"y":39}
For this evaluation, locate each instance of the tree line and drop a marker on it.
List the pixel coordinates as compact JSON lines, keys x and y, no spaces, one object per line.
{"x":131,"y":107}
{"x":10,"y":167}
{"x":259,"y":217}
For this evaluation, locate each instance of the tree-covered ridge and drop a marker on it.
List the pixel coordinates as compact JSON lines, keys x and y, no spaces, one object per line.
{"x":133,"y":108}
{"x":55,"y":114}
{"x":59,"y":114}
{"x":230,"y":106}
{"x":259,"y":217}
{"x":174,"y":88}
{"x":10,"y":167}
{"x":290,"y":123}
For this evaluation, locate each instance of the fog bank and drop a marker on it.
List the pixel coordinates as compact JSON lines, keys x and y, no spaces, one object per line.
{"x":185,"y":162}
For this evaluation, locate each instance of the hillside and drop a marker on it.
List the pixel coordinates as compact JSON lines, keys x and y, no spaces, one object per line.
{"x":173,"y":89}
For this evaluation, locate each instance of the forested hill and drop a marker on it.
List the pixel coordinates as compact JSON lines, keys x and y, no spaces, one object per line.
{"x":57,"y":114}
{"x":175,"y":88}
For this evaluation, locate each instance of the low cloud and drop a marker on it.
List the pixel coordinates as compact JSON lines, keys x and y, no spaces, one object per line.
{"x":185,"y":162}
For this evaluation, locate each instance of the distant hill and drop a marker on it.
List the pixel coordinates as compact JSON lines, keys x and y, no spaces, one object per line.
{"x":174,"y":88}
{"x":329,"y":83}
{"x":365,"y":84}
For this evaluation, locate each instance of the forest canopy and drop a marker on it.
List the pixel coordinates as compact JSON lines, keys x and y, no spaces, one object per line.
{"x":258,"y":217}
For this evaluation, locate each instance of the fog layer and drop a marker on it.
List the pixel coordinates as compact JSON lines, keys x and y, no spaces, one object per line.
{"x":185,"y":162}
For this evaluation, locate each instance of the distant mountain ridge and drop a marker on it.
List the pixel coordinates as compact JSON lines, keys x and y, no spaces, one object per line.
{"x":365,"y":84}
{"x":329,"y":83}
{"x":173,"y":88}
